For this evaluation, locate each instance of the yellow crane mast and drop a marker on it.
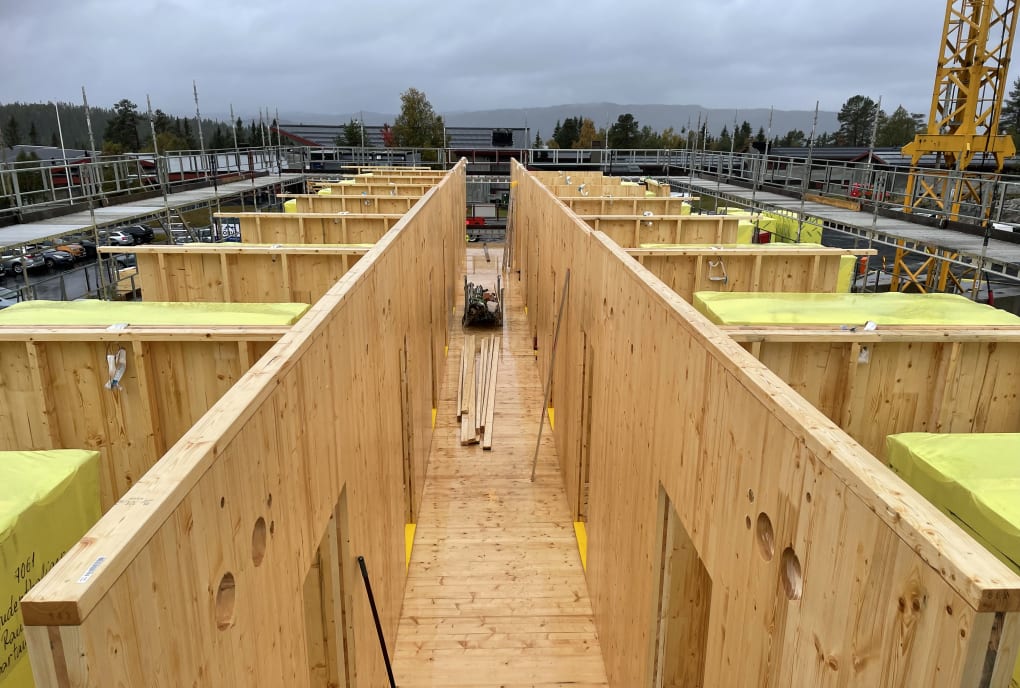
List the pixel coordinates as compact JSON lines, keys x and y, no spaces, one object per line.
{"x":977,"y":40}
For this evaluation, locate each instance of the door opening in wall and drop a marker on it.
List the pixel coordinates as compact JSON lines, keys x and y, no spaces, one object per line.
{"x":682,"y":605}
{"x":329,"y":625}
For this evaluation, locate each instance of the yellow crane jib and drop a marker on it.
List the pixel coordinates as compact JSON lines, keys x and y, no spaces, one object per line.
{"x":963,"y":124}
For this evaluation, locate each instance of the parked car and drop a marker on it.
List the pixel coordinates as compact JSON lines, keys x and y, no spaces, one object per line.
{"x":126,"y":260}
{"x":117,"y":238}
{"x":8,"y":297}
{"x":18,"y":262}
{"x":57,"y":259}
{"x":72,"y":247}
{"x":141,"y":233}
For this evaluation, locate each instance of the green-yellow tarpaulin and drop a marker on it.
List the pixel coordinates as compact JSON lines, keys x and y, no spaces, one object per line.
{"x":892,"y":308}
{"x":50,"y":499}
{"x":974,"y":478}
{"x":98,"y":313}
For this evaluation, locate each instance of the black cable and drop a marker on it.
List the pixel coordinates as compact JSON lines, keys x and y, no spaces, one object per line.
{"x":378,"y":625}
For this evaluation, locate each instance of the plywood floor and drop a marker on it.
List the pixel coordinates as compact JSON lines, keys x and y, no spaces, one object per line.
{"x":495,"y":593}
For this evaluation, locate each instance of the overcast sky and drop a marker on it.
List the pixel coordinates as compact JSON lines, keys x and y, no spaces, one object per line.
{"x":339,"y":57}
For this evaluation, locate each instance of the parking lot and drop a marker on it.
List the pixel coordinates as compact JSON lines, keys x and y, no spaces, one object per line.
{"x":57,"y":284}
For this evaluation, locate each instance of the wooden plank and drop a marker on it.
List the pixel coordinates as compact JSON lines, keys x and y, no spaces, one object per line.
{"x":460,"y":382}
{"x":490,"y":409}
{"x":46,"y":415}
{"x":482,"y":385}
{"x":149,"y":401}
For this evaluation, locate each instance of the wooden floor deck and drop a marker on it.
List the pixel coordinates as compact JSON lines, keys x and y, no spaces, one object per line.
{"x":496,"y":594}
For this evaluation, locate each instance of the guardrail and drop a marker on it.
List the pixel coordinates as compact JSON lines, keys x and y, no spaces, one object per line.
{"x":26,"y":187}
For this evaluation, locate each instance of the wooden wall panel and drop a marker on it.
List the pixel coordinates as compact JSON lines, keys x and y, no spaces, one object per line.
{"x":633,"y":231}
{"x":167,"y":386}
{"x":380,"y":188}
{"x":601,"y":206}
{"x":608,"y":191}
{"x":745,"y":269}
{"x":899,"y":379}
{"x":363,"y":205}
{"x":299,"y":228}
{"x":315,"y":418}
{"x":240,"y":274}
{"x":854,"y":579}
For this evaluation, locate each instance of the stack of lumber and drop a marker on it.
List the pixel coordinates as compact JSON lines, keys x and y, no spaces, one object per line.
{"x":476,"y":393}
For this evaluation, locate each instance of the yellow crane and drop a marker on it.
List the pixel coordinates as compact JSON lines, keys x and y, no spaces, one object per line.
{"x":963,"y":124}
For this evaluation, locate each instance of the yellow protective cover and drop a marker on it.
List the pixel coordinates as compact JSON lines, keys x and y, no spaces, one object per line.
{"x":290,"y":205}
{"x":786,"y":229}
{"x":974,"y":478}
{"x":891,"y":308}
{"x":50,"y":499}
{"x":98,"y":313}
{"x":324,"y":192}
{"x":845,"y":276}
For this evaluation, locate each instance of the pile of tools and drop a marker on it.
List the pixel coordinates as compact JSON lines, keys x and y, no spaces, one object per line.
{"x":476,"y":392}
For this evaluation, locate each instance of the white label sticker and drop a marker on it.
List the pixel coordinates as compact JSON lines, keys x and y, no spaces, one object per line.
{"x":91,"y":570}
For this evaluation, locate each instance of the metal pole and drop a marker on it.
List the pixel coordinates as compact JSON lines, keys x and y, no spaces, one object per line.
{"x":63,"y":153}
{"x":198,"y":123}
{"x":694,"y":151}
{"x":871,"y":148}
{"x":378,"y":625}
{"x":733,"y":144}
{"x":237,"y":149}
{"x":88,"y":190}
{"x":279,"y":145}
{"x":159,"y":167}
{"x":548,"y":381}
{"x":807,"y":173}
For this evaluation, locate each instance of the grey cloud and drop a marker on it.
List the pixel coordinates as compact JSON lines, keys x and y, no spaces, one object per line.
{"x":343,"y":57}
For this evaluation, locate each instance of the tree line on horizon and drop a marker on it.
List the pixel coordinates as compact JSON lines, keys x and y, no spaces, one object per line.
{"x":119,"y":129}
{"x":856,"y":117}
{"x":123,"y":129}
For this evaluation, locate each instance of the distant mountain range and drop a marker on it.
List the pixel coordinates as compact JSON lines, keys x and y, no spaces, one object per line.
{"x":658,"y":117}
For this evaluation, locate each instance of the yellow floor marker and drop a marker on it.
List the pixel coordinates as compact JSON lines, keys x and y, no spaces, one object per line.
{"x":409,"y":543}
{"x":582,"y":543}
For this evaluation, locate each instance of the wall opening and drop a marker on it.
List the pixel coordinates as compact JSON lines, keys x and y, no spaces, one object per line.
{"x":682,"y":605}
{"x":329,"y":624}
{"x":407,"y":435}
{"x":584,"y":464}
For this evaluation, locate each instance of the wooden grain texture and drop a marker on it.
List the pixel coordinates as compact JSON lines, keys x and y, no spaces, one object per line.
{"x":241,"y":274}
{"x":587,"y":205}
{"x":302,"y":228}
{"x":596,"y":190}
{"x":364,"y":205}
{"x":313,"y":420}
{"x":746,"y":269}
{"x":52,"y":393}
{"x":495,"y":592}
{"x":631,"y":231}
{"x":900,"y":379}
{"x":372,"y":187}
{"x":890,"y":592}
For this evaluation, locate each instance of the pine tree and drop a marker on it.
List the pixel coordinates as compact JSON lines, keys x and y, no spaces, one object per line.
{"x":12,"y":133}
{"x":1009,"y":122}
